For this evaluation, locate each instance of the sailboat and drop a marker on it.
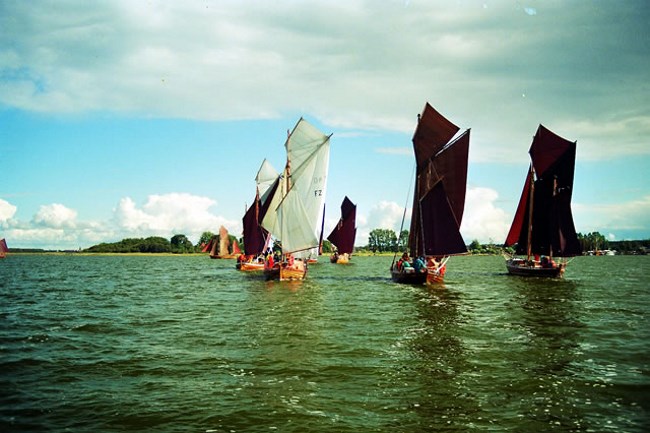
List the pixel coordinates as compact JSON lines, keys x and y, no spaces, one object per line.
{"x":543,"y":228}
{"x":3,"y":248}
{"x":221,"y":249}
{"x":297,"y":205}
{"x":256,"y":238}
{"x":438,"y":202}
{"x":343,"y":234}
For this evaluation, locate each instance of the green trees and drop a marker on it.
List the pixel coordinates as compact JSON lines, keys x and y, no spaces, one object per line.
{"x":383,"y":240}
{"x":181,"y":244}
{"x":153,"y":244}
{"x":205,"y":239}
{"x":593,"y":241}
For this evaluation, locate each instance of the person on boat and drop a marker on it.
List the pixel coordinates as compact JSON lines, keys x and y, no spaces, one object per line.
{"x":418,"y":265}
{"x":406,"y":264}
{"x":403,"y":262}
{"x":269,"y":261}
{"x":547,"y":262}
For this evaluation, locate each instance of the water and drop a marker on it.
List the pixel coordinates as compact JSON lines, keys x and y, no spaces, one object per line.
{"x":188,"y":344}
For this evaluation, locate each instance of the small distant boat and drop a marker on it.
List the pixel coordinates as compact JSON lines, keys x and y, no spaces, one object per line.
{"x":343,"y":234}
{"x":297,"y":205}
{"x":256,"y":238}
{"x":3,"y":248}
{"x":543,"y":229}
{"x":438,"y":202}
{"x":221,"y":249}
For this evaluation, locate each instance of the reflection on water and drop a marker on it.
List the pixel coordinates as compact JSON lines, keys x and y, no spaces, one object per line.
{"x":189,"y":344}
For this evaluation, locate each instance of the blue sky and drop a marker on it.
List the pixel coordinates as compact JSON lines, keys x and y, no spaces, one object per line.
{"x":131,"y":119}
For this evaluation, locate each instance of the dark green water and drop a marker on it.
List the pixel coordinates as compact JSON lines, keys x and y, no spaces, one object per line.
{"x":188,"y":344}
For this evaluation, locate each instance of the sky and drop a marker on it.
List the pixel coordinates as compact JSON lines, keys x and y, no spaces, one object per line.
{"x":132,"y":119}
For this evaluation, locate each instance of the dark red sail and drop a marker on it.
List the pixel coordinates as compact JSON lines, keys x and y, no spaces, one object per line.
{"x":431,"y":134}
{"x":345,"y":231}
{"x":521,"y":216}
{"x":552,"y":231}
{"x":440,"y":235}
{"x":441,"y":169}
{"x":254,"y":234}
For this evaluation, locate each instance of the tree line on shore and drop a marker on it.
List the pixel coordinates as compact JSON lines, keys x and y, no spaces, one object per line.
{"x":379,"y":241}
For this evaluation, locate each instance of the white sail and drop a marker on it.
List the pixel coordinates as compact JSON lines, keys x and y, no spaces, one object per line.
{"x":296,"y":209}
{"x":266,"y":175}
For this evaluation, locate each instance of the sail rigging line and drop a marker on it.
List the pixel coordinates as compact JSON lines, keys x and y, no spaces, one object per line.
{"x":401,"y":227}
{"x":322,"y":230}
{"x":442,"y":264}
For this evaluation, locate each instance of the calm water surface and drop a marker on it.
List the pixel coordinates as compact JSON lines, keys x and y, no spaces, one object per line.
{"x":188,"y":344}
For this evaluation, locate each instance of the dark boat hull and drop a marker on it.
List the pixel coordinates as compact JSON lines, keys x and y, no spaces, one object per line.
{"x":523,"y":268}
{"x":408,"y":277}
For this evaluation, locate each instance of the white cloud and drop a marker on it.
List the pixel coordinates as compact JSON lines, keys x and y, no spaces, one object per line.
{"x":55,"y":226}
{"x":482,"y":220}
{"x":55,"y":216}
{"x":386,"y":215}
{"x":169,"y":214}
{"x":356,"y":64}
{"x":7,"y":211}
{"x":616,"y":218}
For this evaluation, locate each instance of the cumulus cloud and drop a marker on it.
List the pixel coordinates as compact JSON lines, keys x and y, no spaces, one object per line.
{"x":482,"y":219}
{"x":173,"y":213}
{"x":55,"y":216}
{"x":7,"y":211}
{"x":161,"y":59}
{"x":386,"y":215}
{"x":56,"y":226}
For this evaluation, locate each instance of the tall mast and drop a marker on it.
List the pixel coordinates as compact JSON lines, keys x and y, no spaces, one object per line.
{"x":530,"y":212}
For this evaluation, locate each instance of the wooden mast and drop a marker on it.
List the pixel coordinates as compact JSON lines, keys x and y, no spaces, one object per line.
{"x":530,"y":213}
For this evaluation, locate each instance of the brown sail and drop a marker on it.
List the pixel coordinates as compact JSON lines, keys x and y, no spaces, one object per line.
{"x":439,"y":197}
{"x":543,"y":223}
{"x":343,"y":234}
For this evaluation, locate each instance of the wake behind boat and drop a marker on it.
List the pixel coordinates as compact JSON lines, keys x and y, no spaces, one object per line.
{"x":438,"y":202}
{"x":543,"y":228}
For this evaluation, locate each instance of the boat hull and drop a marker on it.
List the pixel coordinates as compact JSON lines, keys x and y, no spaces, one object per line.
{"x":285,"y":272}
{"x":249,"y":266}
{"x":408,"y":277}
{"x":342,"y":259}
{"x":524,"y":268}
